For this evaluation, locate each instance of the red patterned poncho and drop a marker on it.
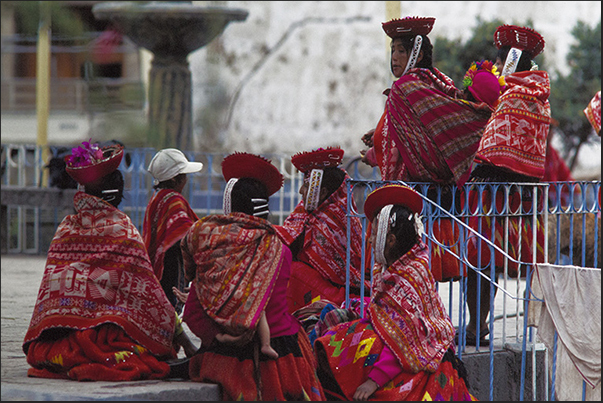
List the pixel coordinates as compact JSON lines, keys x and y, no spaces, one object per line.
{"x":429,"y":133}
{"x":516,"y":136}
{"x":324,"y":248}
{"x":167,"y":218}
{"x":98,"y":272}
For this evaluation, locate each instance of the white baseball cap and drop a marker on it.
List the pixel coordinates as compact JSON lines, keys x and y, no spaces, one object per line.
{"x":170,"y":162}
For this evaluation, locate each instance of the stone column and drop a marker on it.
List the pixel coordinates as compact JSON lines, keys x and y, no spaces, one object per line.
{"x":170,"y":107}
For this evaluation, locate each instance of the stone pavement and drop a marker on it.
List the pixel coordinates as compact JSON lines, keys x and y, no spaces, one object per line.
{"x":21,"y":276}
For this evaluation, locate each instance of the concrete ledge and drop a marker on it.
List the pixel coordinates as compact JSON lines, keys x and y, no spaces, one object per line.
{"x":68,"y":390}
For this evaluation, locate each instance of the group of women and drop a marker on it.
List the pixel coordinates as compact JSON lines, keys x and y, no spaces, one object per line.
{"x":105,"y":309}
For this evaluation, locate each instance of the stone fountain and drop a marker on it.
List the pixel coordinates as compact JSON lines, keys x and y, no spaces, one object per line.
{"x":171,"y":31}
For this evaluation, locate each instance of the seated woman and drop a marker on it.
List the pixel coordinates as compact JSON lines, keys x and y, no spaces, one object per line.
{"x":101,"y":314}
{"x":239,"y":270}
{"x":316,"y":231}
{"x":402,"y":350}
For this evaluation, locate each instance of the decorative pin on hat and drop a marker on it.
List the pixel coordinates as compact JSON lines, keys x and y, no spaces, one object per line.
{"x":89,"y":163}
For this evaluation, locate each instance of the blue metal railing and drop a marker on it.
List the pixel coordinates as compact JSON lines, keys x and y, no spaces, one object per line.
{"x":569,"y":212}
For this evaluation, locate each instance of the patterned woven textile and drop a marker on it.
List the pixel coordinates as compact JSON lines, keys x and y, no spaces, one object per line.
{"x":167,"y":218}
{"x":348,"y":352}
{"x":408,"y":314}
{"x":97,"y":272}
{"x":516,"y":136}
{"x":430,"y":135}
{"x":234,"y":260}
{"x":324,"y":232}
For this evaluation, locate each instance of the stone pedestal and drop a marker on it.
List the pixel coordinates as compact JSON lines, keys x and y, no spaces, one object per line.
{"x":170,"y":30}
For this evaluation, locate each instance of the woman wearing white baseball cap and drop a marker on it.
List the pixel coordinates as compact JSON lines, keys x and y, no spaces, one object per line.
{"x":167,"y":219}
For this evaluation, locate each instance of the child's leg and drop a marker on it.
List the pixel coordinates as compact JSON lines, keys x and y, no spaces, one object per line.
{"x":264,"y":333}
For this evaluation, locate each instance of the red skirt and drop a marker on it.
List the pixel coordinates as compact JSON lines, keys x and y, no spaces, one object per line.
{"x":104,"y":353}
{"x":290,"y":377}
{"x":307,"y":285}
{"x":445,"y":266}
{"x":346,"y":354}
{"x":519,"y":228}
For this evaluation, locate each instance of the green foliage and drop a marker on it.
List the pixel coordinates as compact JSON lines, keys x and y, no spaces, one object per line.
{"x":571,"y":94}
{"x":453,"y":57}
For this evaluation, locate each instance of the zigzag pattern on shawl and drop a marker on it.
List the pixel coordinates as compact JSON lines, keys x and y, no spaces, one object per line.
{"x":436,"y":134}
{"x":408,"y":314}
{"x":237,"y":258}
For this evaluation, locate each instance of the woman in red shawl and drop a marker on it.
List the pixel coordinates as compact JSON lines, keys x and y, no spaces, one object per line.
{"x":513,"y":149}
{"x":428,"y":132}
{"x":402,"y":350}
{"x":240,"y":269}
{"x":167,"y":218}
{"x":101,"y":314}
{"x":317,"y":231}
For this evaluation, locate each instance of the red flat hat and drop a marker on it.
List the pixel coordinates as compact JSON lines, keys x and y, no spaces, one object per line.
{"x":408,"y":26}
{"x":245,"y":165}
{"x":392,"y":194}
{"x":522,"y":38}
{"x":86,"y":174}
{"x":321,"y":158}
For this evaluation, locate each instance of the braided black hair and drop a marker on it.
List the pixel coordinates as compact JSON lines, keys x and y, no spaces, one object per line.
{"x":525,"y":61}
{"x":246,"y":189}
{"x":403,"y":228}
{"x":109,"y":188}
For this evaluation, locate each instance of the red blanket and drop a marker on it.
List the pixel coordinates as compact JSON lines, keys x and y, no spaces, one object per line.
{"x":98,"y":272}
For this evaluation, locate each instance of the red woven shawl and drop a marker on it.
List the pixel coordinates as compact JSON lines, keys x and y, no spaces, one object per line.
{"x":408,"y":314}
{"x":516,"y":135}
{"x":436,"y":134}
{"x":234,"y":260}
{"x":167,"y":218}
{"x":325,"y":237}
{"x":98,"y":271}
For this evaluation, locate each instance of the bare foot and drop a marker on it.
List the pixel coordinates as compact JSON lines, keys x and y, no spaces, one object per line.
{"x":269,"y":351}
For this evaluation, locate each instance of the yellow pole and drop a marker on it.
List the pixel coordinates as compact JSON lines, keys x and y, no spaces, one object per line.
{"x":393,"y":9}
{"x":43,"y":85}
